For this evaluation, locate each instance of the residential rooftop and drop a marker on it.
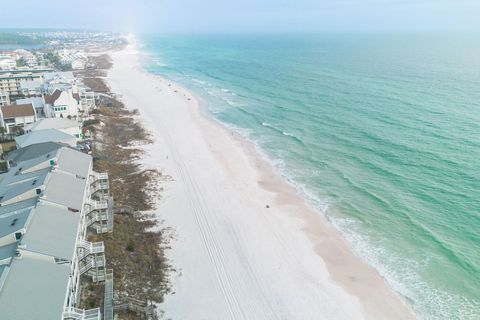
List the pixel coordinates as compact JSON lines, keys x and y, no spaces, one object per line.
{"x":33,"y":151}
{"x":51,"y":123}
{"x":18,"y":110}
{"x":46,"y":135}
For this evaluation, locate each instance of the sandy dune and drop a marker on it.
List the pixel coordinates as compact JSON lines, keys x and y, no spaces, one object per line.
{"x":237,"y":259}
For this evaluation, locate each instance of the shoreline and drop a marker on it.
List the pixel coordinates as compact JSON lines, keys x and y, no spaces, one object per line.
{"x":285,"y":261}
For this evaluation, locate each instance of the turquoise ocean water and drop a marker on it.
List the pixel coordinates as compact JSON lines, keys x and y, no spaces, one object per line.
{"x":380,"y":132}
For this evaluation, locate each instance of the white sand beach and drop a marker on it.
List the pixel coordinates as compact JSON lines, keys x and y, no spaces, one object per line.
{"x":236,"y":258}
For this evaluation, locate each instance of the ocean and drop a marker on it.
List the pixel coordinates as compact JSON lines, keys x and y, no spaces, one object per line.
{"x":380,"y":132}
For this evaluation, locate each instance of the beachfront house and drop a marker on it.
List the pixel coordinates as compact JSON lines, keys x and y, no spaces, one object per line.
{"x":65,"y":81}
{"x":13,"y":117}
{"x":79,"y":64}
{"x":60,"y":77}
{"x":49,"y":202}
{"x":62,"y":103}
{"x":87,"y":99}
{"x":38,"y":105}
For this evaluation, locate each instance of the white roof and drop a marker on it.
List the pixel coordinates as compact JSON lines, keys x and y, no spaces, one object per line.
{"x":38,"y":285}
{"x":65,"y":190}
{"x":52,"y":123}
{"x":67,"y":76}
{"x":74,"y":162}
{"x":52,"y":231}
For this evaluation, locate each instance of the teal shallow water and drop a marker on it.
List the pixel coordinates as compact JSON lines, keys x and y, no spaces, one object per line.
{"x":380,"y":132}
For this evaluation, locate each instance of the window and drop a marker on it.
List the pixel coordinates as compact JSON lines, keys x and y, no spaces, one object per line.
{"x":60,"y":108}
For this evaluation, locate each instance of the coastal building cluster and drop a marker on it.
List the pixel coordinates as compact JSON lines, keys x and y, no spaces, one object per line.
{"x":21,"y":58}
{"x":87,"y":40}
{"x":76,"y":59}
{"x":42,"y":77}
{"x":52,"y":202}
{"x":30,"y":95}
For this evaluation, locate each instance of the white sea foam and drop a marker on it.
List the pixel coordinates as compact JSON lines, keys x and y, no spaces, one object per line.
{"x":233,"y":103}
{"x":199,"y":81}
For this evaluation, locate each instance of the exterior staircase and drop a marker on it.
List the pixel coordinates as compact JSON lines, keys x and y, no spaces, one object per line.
{"x":91,"y":260}
{"x":99,"y":185}
{"x":99,"y":215}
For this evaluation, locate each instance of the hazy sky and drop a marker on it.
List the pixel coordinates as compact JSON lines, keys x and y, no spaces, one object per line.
{"x":245,"y":15}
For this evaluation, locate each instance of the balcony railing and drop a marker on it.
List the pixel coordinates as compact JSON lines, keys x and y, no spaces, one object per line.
{"x":96,"y":205}
{"x":81,"y":314}
{"x":98,"y":187}
{"x":88,"y":248}
{"x":99,"y":215}
{"x":99,"y":176}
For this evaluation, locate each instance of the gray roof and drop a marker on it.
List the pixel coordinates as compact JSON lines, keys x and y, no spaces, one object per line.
{"x":52,"y":135}
{"x":36,"y":101}
{"x":14,"y":178}
{"x":8,"y":251}
{"x":74,"y":161}
{"x":18,"y":206}
{"x":65,"y":190}
{"x":12,"y":189}
{"x":13,"y":222}
{"x":65,"y":185}
{"x":52,"y":230}
{"x":35,"y":164}
{"x":34,"y":289}
{"x":33,"y":151}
